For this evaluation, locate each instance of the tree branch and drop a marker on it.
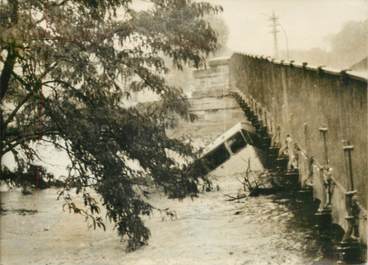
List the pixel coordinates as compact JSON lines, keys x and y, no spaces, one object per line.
{"x":19,"y":140}
{"x":14,"y":112}
{"x":7,"y":72}
{"x":18,"y":78}
{"x":11,"y":56}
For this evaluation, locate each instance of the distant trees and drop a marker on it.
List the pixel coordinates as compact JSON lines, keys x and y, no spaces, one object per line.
{"x":348,"y":47}
{"x":179,"y":77}
{"x":220,"y":27}
{"x":63,"y":63}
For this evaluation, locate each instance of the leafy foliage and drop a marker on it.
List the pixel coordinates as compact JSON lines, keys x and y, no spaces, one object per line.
{"x":69,"y":68}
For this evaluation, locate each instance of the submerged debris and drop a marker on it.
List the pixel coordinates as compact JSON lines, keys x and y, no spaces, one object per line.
{"x":21,"y":211}
{"x":256,"y":182}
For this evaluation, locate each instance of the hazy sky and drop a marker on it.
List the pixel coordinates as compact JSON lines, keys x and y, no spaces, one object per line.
{"x":307,"y":22}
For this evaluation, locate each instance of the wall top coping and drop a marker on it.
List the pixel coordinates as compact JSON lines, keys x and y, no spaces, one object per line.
{"x":325,"y":69}
{"x":218,"y":61}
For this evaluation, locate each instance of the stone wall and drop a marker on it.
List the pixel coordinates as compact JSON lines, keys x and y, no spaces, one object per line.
{"x":211,"y":103}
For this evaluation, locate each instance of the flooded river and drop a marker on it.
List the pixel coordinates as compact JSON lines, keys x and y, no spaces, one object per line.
{"x":207,"y":230}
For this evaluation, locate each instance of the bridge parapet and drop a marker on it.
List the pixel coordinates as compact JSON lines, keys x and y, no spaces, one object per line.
{"x":297,"y":100}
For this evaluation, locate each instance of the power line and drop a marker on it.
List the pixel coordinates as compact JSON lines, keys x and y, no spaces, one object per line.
{"x":286,"y":41}
{"x":275,"y":23}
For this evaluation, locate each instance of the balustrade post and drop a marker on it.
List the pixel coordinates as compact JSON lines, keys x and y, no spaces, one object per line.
{"x":308,"y":182}
{"x":323,"y":214}
{"x":349,"y":248}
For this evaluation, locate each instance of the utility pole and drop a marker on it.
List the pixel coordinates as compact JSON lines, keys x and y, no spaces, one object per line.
{"x":275,"y":23}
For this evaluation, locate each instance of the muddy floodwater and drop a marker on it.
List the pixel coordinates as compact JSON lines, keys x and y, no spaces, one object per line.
{"x":207,"y":230}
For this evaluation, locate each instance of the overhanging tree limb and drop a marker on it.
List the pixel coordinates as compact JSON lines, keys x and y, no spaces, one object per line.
{"x":10,"y":145}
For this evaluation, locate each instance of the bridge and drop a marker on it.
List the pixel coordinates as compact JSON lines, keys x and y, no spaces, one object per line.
{"x":313,"y":122}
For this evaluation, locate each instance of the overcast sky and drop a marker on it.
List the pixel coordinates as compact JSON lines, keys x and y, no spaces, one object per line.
{"x":307,"y":22}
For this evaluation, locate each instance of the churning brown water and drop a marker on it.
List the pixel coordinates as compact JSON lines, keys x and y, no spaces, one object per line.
{"x":207,"y":230}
